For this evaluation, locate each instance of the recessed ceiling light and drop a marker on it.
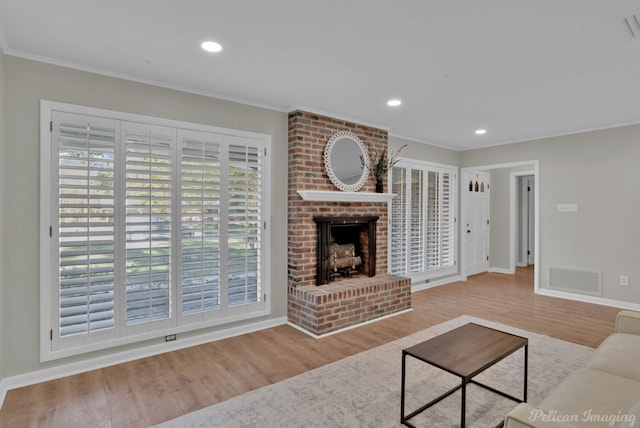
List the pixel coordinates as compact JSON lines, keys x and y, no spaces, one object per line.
{"x":481,"y":131}
{"x":210,"y":46}
{"x":394,"y":103}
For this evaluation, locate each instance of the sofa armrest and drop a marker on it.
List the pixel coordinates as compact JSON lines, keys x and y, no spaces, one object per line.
{"x":628,"y":322}
{"x":527,"y":416}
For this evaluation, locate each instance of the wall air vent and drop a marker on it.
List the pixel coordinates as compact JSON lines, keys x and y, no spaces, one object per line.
{"x":576,"y":280}
{"x":632,"y":23}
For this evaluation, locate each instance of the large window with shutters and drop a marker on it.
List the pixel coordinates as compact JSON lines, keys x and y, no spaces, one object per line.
{"x":150,"y":227}
{"x":422,"y":242}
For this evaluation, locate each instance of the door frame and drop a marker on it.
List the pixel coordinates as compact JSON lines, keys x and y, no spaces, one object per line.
{"x":515,"y":219}
{"x":535,"y":164}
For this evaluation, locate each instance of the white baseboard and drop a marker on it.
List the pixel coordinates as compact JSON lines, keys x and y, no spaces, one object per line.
{"x":37,"y":376}
{"x":502,"y":270}
{"x":589,"y":299}
{"x":435,"y":283}
{"x":3,"y":391}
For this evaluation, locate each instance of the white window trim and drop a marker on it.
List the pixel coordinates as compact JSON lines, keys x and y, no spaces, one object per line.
{"x":46,"y":305}
{"x":438,"y":167}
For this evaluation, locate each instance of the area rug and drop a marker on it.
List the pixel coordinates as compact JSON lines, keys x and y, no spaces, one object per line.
{"x":364,"y":390}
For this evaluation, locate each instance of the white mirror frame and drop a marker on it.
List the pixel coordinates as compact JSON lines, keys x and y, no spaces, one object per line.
{"x":331,"y":144}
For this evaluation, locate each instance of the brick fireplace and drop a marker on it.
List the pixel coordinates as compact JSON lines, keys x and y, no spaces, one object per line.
{"x":341,"y":303}
{"x":358,"y":235}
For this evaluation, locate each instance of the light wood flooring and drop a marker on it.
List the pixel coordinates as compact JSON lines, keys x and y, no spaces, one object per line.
{"x":159,"y":388}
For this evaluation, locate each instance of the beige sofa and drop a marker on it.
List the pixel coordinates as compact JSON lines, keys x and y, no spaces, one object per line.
{"x":604,"y":393}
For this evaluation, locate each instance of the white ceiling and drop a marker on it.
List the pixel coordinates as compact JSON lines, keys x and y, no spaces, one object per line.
{"x":520,"y":69}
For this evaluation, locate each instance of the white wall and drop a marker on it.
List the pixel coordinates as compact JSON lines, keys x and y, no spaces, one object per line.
{"x":600,"y":172}
{"x":27,"y":82}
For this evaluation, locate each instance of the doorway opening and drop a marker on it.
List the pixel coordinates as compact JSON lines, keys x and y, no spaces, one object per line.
{"x":512,"y":225}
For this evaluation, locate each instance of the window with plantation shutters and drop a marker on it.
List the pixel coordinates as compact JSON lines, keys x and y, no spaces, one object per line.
{"x":148,"y":228}
{"x":422,"y":242}
{"x":440,"y":222}
{"x":397,"y":240}
{"x":85,"y":169}
{"x":200,"y":220}
{"x":244,"y":225}
{"x":148,"y":171}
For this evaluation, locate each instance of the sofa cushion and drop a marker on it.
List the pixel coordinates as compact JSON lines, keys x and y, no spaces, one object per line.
{"x":591,"y":398}
{"x":618,"y":355}
{"x":628,"y":322}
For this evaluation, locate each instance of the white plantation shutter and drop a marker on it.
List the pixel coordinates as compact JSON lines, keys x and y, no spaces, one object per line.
{"x":200,"y":220}
{"x":433,"y":221}
{"x":440,"y":222}
{"x":148,"y":193}
{"x":85,"y":150}
{"x":417,"y":221}
{"x":422,"y":221}
{"x":397,"y":241}
{"x":152,"y":228}
{"x":245,"y":225}
{"x":447,"y":222}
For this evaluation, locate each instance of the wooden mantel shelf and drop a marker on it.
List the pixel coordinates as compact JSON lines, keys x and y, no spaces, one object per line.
{"x":328,"y":196}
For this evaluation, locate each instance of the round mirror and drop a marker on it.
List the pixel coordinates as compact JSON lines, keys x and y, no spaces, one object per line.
{"x":346,"y":161}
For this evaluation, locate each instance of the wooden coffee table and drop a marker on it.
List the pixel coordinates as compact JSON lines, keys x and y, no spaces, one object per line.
{"x":465,"y":352}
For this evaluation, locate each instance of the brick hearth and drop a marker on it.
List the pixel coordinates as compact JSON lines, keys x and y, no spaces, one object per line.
{"x":341,"y":304}
{"x":379,"y":295}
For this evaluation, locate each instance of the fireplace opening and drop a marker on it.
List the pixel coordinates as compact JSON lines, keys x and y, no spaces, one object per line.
{"x":346,"y":247}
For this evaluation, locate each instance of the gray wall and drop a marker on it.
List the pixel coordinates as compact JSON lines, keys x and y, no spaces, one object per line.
{"x":423,"y":152}
{"x":27,"y":83}
{"x":3,"y":299}
{"x":599,"y":171}
{"x":500,"y":216}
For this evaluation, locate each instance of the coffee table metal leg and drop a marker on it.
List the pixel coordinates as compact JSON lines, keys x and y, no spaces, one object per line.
{"x":404,"y":358}
{"x":463,"y":409}
{"x":526,"y":368}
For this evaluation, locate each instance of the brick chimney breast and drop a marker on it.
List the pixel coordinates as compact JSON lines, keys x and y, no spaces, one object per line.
{"x":308,"y":134}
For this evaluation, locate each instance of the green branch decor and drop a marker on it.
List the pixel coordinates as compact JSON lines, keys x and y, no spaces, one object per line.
{"x":381,"y":164}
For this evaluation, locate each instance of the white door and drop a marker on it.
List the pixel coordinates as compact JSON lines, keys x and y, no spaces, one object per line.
{"x":476,"y":188}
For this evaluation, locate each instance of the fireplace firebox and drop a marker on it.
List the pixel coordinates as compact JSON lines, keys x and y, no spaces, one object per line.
{"x":346,"y":246}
